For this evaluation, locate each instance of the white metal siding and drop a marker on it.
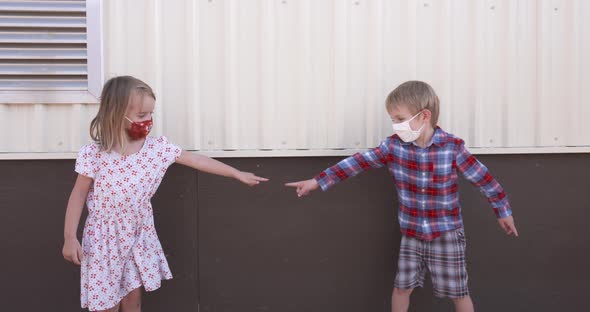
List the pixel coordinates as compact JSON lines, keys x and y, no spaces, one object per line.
{"x":287,"y":75}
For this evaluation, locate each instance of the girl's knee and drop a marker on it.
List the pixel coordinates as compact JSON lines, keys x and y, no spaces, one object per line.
{"x":113,"y":309}
{"x":132,"y":301}
{"x":130,"y":304}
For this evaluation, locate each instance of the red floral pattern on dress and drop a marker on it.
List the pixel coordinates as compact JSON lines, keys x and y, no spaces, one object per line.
{"x":121,"y":250}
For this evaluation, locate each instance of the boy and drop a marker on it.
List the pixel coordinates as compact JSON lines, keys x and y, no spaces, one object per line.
{"x":424,"y":160}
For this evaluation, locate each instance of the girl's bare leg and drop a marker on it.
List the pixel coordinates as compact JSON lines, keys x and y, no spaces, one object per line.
{"x":113,"y":309}
{"x":132,"y":302}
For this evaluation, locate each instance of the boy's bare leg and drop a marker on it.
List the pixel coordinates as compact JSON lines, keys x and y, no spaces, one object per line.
{"x":132,"y":301}
{"x":400,"y":299}
{"x":463,"y":304}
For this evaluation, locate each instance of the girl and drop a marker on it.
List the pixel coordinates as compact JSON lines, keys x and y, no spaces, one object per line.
{"x":117,"y":176}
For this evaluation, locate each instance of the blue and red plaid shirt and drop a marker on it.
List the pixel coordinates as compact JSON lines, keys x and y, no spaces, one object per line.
{"x":426,"y":181}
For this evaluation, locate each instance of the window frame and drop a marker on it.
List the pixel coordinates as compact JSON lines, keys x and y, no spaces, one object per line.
{"x":94,"y":65}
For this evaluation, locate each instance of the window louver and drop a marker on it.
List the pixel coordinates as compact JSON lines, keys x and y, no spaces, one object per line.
{"x":43,"y":45}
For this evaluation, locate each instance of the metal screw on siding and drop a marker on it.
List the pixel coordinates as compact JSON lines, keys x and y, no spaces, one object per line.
{"x":284,"y":2}
{"x":357,"y":3}
{"x":426,"y":4}
{"x":283,"y":142}
{"x":210,"y":142}
{"x":555,"y":138}
{"x":491,"y":140}
{"x":492,"y":7}
{"x":556,"y":9}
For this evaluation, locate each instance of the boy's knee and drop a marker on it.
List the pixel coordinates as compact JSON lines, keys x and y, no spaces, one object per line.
{"x":464,"y":303}
{"x":460,"y":299}
{"x":402,"y":291}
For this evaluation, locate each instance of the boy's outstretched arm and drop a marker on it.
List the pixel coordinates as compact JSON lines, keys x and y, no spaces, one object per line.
{"x":210,"y":165}
{"x":349,"y":167}
{"x":476,"y":173}
{"x":304,"y":187}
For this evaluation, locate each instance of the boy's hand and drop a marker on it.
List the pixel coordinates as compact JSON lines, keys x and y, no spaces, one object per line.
{"x":72,"y":251}
{"x":249,"y":178}
{"x":507,"y":224}
{"x":304,"y":187}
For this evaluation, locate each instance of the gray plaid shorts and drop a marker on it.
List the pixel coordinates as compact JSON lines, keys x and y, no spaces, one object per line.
{"x":443,"y":257}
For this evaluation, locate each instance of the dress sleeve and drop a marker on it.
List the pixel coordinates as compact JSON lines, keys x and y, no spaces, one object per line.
{"x":169,"y":151}
{"x":86,"y":163}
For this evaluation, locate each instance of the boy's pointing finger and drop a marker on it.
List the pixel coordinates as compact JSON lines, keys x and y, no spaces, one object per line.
{"x":514,"y":231}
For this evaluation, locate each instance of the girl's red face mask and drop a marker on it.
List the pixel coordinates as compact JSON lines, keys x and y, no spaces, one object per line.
{"x":139,"y":129}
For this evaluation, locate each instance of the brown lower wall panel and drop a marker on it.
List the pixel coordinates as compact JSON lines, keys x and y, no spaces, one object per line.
{"x":33,"y":198}
{"x":235,"y":248}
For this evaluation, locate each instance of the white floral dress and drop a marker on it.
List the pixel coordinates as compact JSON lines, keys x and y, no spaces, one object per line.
{"x":121,"y":250}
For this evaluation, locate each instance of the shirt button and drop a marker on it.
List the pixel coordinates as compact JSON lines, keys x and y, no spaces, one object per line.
{"x":423,"y":190}
{"x":423,"y":173}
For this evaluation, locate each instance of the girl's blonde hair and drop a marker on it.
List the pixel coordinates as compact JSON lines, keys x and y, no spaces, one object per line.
{"x":416,"y":96}
{"x":107,"y":128}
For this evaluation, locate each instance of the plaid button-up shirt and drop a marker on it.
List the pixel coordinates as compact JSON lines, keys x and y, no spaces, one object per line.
{"x":426,"y":181}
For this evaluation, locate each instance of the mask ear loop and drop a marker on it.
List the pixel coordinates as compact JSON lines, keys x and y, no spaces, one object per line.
{"x":424,"y":124}
{"x":420,"y":112}
{"x":409,"y":120}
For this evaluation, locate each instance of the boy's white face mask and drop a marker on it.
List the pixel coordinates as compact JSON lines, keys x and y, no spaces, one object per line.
{"x":405,"y":132}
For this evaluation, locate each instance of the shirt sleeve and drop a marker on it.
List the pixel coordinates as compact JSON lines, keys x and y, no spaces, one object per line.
{"x":86,"y":162}
{"x":170,"y":152}
{"x":374,"y":158}
{"x":476,"y":173}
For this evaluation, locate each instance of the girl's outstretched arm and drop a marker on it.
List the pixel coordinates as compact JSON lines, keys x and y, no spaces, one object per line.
{"x":72,"y":251}
{"x":210,"y":165}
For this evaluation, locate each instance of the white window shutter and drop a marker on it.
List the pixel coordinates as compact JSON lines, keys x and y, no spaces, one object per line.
{"x":43,"y":45}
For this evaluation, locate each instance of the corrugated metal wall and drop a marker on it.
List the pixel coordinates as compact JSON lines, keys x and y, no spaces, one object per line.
{"x":313,"y":74}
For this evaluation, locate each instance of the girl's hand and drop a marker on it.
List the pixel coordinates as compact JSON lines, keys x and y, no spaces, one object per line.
{"x":72,"y":251}
{"x":507,"y":224}
{"x":249,"y":178}
{"x":304,"y":187}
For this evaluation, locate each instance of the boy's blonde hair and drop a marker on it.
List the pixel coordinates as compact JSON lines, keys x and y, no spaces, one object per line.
{"x":107,"y":128}
{"x":416,"y":96}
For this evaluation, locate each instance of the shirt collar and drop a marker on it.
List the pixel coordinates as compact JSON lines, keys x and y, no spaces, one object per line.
{"x":440,"y":137}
